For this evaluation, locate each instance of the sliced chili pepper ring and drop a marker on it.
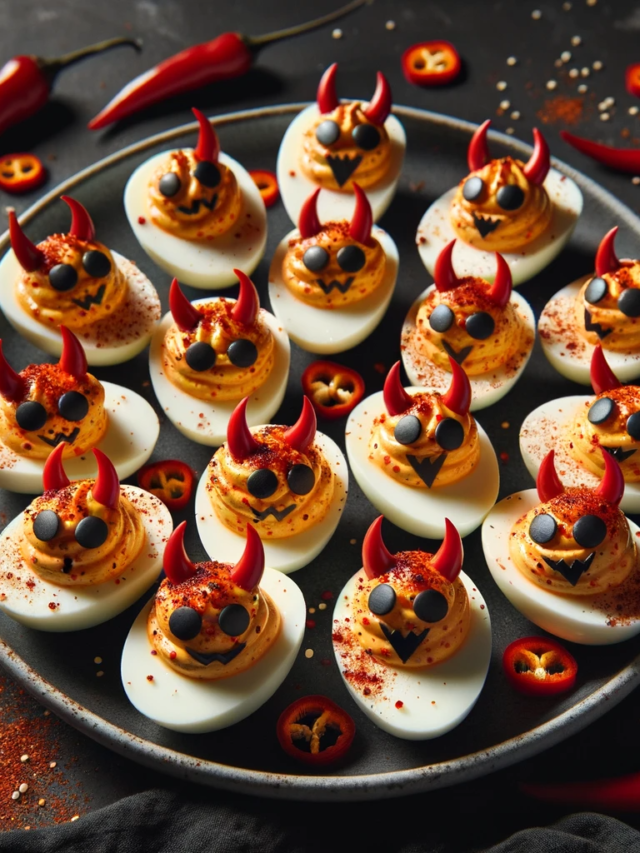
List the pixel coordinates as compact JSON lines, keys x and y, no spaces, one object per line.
{"x":431,"y":63}
{"x":170,"y":480}
{"x":267,"y":183}
{"x":315,"y":730}
{"x":20,"y":173}
{"x":538,"y":666}
{"x":334,"y":390}
{"x":632,"y":79}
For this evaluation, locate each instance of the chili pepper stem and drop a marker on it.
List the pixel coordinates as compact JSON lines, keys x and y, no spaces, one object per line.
{"x":256,"y":42}
{"x":51,"y":67}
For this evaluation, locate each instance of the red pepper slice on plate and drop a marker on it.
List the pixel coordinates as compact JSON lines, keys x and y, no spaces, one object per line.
{"x":315,"y":730}
{"x":20,"y":173}
{"x":267,"y":183}
{"x":171,"y":480}
{"x":431,"y":63}
{"x":632,"y":79}
{"x":334,"y":390}
{"x":538,"y":666}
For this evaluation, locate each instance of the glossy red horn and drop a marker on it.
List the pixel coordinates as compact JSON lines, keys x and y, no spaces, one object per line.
{"x":73,"y":359}
{"x":12,"y":385}
{"x":376,"y":558}
{"x":478,"y":151}
{"x":547,"y":482}
{"x":53,"y":476}
{"x":247,"y":572}
{"x":106,"y":489}
{"x":611,"y":486}
{"x":362,"y":219}
{"x":308,"y":222}
{"x":240,"y":442}
{"x":602,"y":377}
{"x":443,"y":273}
{"x":537,"y":168}
{"x":177,"y":566}
{"x":82,"y":225}
{"x":500,"y":291}
{"x":606,"y":258}
{"x":183,"y":312}
{"x":380,"y":105}
{"x":208,"y":147}
{"x":29,"y":256}
{"x":326,"y":94}
{"x":458,"y":396}
{"x":396,"y":399}
{"x":448,"y":558}
{"x":248,"y":304}
{"x":302,"y":433}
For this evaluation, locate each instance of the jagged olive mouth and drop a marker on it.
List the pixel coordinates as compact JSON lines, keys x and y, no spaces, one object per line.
{"x":278,"y":514}
{"x":485,"y":224}
{"x":91,"y":298}
{"x":457,"y":355}
{"x":61,"y":436}
{"x":601,"y":331}
{"x":343,"y":167}
{"x":618,"y":453}
{"x":197,"y":203}
{"x":403,"y":646}
{"x":335,"y":284}
{"x":428,"y":467}
{"x":222,"y":657}
{"x":573,"y":571}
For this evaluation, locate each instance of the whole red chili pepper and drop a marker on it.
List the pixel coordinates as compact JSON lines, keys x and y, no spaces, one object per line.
{"x":26,"y":81}
{"x":623,"y":159}
{"x":229,"y":55}
{"x":618,"y":794}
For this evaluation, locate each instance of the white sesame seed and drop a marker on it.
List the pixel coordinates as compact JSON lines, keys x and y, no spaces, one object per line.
{"x":604,"y":116}
{"x":322,"y":605}
{"x":558,"y":63}
{"x":602,"y":106}
{"x":15,"y":795}
{"x":515,"y":115}
{"x":53,"y":764}
{"x":75,"y":817}
{"x":635,"y":180}
{"x":574,"y":73}
{"x":390,"y":25}
{"x":312,"y":610}
{"x":504,"y":105}
{"x":610,"y":101}
{"x":308,"y":653}
{"x":551,"y":84}
{"x":597,"y":65}
{"x":566,"y":7}
{"x":24,"y":758}
{"x":591,"y":2}
{"x":576,"y":40}
{"x":337,"y":33}
{"x":501,"y":85}
{"x":536,"y":14}
{"x":585,"y":71}
{"x":633,"y":111}
{"x":97,"y":660}
{"x":565,"y":56}
{"x":41,"y":801}
{"x":510,"y":130}
{"x":511,"y":60}
{"x":23,"y":788}
{"x":582,"y":88}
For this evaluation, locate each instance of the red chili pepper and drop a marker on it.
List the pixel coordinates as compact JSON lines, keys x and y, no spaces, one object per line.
{"x":431,"y":63}
{"x":267,"y":183}
{"x":632,"y":79}
{"x":303,"y":725}
{"x":26,"y":81}
{"x":618,"y":794}
{"x":623,"y":159}
{"x":20,"y":173}
{"x":229,"y":55}
{"x":171,"y":480}
{"x":334,"y":390}
{"x":537,"y":666}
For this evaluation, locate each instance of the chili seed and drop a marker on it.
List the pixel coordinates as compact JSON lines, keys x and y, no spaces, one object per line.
{"x":536,"y":14}
{"x":511,"y":60}
{"x":565,"y":56}
{"x":41,"y":801}
{"x":515,"y":115}
{"x":574,"y":73}
{"x":604,"y":116}
{"x":501,"y":85}
{"x":597,"y":65}
{"x":24,"y":758}
{"x":585,"y":71}
{"x":551,"y":84}
{"x":582,"y":88}
{"x":337,"y":33}
{"x":576,"y":40}
{"x":635,"y":180}
{"x":97,"y":660}
{"x":322,"y":606}
{"x":633,"y":111}
{"x":23,"y":788}
{"x":504,"y":105}
{"x":308,"y":653}
{"x":390,"y":25}
{"x":15,"y":795}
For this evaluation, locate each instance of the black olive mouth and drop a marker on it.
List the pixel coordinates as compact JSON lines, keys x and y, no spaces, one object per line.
{"x":618,"y":453}
{"x":457,"y":355}
{"x":343,"y":167}
{"x":197,"y":203}
{"x":573,"y":571}
{"x":404,"y":647}
{"x":278,"y":514}
{"x":222,"y":657}
{"x":485,"y":224}
{"x":61,"y":436}
{"x":601,"y":331}
{"x":427,"y":468}
{"x":334,"y":284}
{"x":91,"y":298}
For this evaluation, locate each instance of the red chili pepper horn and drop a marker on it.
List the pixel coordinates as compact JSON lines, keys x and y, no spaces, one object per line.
{"x":240,"y":442}
{"x":301,"y":434}
{"x":611,"y":486}
{"x":606,"y":258}
{"x":500,"y":292}
{"x":248,"y":304}
{"x":106,"y":489}
{"x":185,"y":314}
{"x":362,"y":219}
{"x":177,"y":566}
{"x":443,"y":272}
{"x":458,"y":396}
{"x":208,"y":147}
{"x":29,"y":256}
{"x":53,"y":475}
{"x":250,"y":567}
{"x":548,"y":483}
{"x":602,"y":377}
{"x":12,"y":385}
{"x":308,"y":222}
{"x":396,"y":399}
{"x":448,"y":558}
{"x":82,"y":225}
{"x":478,"y":151}
{"x":326,"y":96}
{"x":376,"y":558}
{"x":73,"y":359}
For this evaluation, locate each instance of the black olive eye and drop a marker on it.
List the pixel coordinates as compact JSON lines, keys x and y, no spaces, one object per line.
{"x":46,"y":525}
{"x":234,"y":620}
{"x":73,"y":406}
{"x":480,"y":325}
{"x":315,"y":258}
{"x":633,"y":426}
{"x":629,"y":302}
{"x":601,"y":410}
{"x":328,"y":132}
{"x":408,"y":430}
{"x":441,"y":318}
{"x":382,"y":599}
{"x":92,"y":532}
{"x":366,"y":136}
{"x":169,"y":184}
{"x":262,"y":483}
{"x":449,"y":434}
{"x":543,"y":528}
{"x":510,"y":197}
{"x":301,"y":479}
{"x":589,"y":531}
{"x":200,"y":356}
{"x":596,"y":290}
{"x":96,"y":264}
{"x":472,"y":189}
{"x":351,"y":258}
{"x":185,"y":623}
{"x":430,"y":605}
{"x":242,"y":353}
{"x":63,"y":277}
{"x":31,"y":416}
{"x":207,"y":174}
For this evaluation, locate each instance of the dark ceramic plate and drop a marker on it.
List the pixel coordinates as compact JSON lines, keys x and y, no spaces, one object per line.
{"x":502,"y":728}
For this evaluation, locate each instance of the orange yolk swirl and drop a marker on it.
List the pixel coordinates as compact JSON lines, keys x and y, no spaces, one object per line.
{"x":625,"y":334}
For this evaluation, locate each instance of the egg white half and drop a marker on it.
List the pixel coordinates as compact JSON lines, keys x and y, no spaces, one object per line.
{"x":184,"y":704}
{"x":296,"y":187}
{"x":206,"y":422}
{"x":567,"y":350}
{"x":205,"y":264}
{"x":131,"y":435}
{"x":285,"y":555}
{"x":486,"y":388}
{"x":326,"y":331}
{"x":82,"y":607}
{"x":434,"y":699}
{"x":581,"y":619}
{"x":117,"y":338}
{"x":435,"y":231}
{"x":421,"y":511}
